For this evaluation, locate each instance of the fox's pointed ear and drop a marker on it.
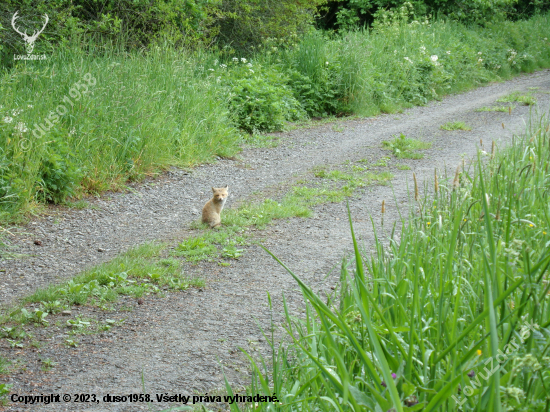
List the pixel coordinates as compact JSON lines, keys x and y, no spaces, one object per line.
{"x":213,"y":190}
{"x":227,"y":186}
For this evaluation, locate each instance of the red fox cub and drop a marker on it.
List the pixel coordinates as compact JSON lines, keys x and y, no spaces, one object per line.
{"x":213,"y":208}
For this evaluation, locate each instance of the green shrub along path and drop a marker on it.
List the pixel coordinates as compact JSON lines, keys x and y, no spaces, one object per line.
{"x":117,"y":329}
{"x":71,"y":125}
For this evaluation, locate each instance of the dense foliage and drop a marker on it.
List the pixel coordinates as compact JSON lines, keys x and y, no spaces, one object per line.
{"x":345,"y":14}
{"x":230,"y":24}
{"x":71,"y":124}
{"x":452,"y":316}
{"x":193,"y":23}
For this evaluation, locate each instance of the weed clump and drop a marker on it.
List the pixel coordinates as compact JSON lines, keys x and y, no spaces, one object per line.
{"x":405,"y":148}
{"x":450,"y":126}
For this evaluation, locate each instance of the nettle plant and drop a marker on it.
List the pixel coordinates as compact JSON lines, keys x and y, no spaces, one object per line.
{"x":259,"y":97}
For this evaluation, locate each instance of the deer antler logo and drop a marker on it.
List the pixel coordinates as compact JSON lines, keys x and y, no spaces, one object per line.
{"x":29,"y":39}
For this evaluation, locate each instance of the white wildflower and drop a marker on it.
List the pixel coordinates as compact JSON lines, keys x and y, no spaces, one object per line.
{"x":210,"y":70}
{"x":7,"y":119}
{"x":251,"y":71}
{"x":326,"y":63}
{"x":243,"y":59}
{"x":16,"y":112}
{"x":409,"y":60}
{"x":479,"y":53}
{"x":479,"y":60}
{"x":30,"y":106}
{"x":235,"y":59}
{"x":249,"y":64}
{"x":22,"y":127}
{"x":448,"y":52}
{"x":515,"y":393}
{"x":434,"y":58}
{"x":71,"y":132}
{"x":223,"y":66}
{"x":423,"y":49}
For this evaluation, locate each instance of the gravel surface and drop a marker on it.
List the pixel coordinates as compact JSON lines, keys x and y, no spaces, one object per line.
{"x":177,"y":344}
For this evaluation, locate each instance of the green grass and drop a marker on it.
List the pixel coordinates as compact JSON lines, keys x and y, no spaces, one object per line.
{"x":137,"y":272}
{"x":382,"y":162}
{"x":196,"y":249}
{"x":260,"y":141}
{"x":516,"y":97}
{"x":107,"y":136}
{"x":405,"y":148}
{"x":48,"y":364}
{"x":417,"y":324}
{"x":4,"y":392}
{"x":223,"y":242}
{"x":505,"y":109}
{"x":450,"y":126}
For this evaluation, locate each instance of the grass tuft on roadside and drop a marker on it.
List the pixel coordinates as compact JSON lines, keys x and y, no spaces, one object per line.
{"x":138,"y":272}
{"x":450,"y":126}
{"x":406,"y":148}
{"x":516,"y":97}
{"x":504,"y":109}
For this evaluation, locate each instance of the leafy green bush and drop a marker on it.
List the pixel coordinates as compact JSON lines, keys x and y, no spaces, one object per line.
{"x":351,"y":14}
{"x":136,"y":22}
{"x":245,"y":25}
{"x":59,"y":172}
{"x":106,"y":133}
{"x":260,"y":99}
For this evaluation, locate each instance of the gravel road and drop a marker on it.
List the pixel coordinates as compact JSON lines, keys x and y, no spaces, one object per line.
{"x":178,"y":344}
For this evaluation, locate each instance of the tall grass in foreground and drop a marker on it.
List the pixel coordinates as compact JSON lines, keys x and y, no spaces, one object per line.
{"x":454,"y":316}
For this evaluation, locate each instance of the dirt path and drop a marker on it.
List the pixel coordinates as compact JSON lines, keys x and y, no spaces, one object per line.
{"x":176,"y":344}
